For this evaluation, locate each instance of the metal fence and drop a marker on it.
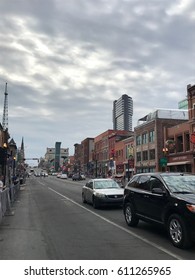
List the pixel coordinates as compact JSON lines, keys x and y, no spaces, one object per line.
{"x":7,"y":197}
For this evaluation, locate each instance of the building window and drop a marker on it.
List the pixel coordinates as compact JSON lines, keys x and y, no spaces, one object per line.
{"x":194,"y":110}
{"x":138,"y":140}
{"x":139,"y":170}
{"x":179,"y":144}
{"x":138,"y":156}
{"x":152,"y":169}
{"x":151,"y":136}
{"x":145,"y":138}
{"x":145,"y":155}
{"x":187,"y":142}
{"x":145,"y":170}
{"x":152,"y":154}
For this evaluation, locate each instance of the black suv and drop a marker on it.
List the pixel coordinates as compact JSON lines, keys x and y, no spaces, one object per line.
{"x":76,"y":177}
{"x":163,"y":198}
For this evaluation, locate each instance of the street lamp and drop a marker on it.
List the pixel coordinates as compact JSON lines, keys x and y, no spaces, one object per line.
{"x":130,"y":165}
{"x":94,"y":157}
{"x":165,"y":150}
{"x":14,"y":165}
{"x":164,"y":160}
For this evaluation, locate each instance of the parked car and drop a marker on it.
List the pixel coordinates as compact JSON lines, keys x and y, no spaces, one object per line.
{"x":83,"y":177}
{"x":58,"y":175}
{"x":63,"y":176}
{"x":102,"y":192}
{"x":167,"y":199}
{"x":76,"y":177}
{"x":43,"y":174}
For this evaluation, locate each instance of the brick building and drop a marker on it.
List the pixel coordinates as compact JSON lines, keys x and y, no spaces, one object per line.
{"x":104,"y":154}
{"x":77,"y":158}
{"x":162,"y":141}
{"x":180,"y":142}
{"x":150,"y":141}
{"x":87,"y":146}
{"x":129,"y":156}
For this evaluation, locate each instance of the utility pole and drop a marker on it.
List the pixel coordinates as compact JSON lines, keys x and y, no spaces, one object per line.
{"x":5,"y":110}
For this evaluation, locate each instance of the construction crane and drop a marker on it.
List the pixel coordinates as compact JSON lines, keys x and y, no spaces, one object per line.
{"x":5,"y":110}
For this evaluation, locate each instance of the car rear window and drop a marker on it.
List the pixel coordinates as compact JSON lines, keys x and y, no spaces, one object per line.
{"x":106,"y":184}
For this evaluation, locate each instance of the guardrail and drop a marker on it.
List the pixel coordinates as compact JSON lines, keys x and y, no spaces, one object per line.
{"x":7,"y":197}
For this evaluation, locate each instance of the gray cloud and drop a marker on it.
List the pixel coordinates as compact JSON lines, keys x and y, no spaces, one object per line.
{"x":67,"y":61}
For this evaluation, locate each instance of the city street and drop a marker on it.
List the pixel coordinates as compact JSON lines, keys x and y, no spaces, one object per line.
{"x":50,"y":222}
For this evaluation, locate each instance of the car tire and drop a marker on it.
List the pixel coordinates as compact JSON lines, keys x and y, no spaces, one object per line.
{"x":178,"y":232}
{"x":95,"y":204}
{"x":83,"y":198}
{"x":130,"y":215}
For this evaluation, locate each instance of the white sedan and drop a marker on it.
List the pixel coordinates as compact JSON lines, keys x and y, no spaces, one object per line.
{"x":102,"y":192}
{"x":63,"y":176}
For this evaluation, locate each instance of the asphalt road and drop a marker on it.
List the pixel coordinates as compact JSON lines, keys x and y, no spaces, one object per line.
{"x":50,"y":222}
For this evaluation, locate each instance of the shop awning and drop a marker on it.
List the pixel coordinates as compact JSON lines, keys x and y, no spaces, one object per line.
{"x":178,"y":163}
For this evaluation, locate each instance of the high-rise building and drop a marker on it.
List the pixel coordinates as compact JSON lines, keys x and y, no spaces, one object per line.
{"x":123,"y":113}
{"x":57,"y":156}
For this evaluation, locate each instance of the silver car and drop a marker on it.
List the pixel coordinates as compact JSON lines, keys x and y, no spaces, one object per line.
{"x":102,"y":192}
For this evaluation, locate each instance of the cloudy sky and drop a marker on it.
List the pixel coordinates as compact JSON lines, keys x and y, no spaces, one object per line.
{"x":66,"y":61}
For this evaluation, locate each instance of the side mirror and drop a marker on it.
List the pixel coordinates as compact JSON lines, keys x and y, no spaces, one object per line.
{"x":158,"y":191}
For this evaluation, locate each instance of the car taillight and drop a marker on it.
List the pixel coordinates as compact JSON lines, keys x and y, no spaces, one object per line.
{"x":191,"y":207}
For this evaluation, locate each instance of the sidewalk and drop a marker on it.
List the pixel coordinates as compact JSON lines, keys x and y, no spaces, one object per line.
{"x":20,"y":237}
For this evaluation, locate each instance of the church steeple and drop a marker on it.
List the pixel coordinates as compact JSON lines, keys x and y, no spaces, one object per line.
{"x":22,"y":144}
{"x":21,"y":151}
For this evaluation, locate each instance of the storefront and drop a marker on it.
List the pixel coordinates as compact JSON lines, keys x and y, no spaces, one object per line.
{"x":180,"y":164}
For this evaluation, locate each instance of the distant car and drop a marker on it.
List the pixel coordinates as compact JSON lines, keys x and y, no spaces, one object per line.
{"x":76,"y":177}
{"x":102,"y":192}
{"x":44,"y":174}
{"x":83,"y":177}
{"x":58,"y":175}
{"x":167,"y":199}
{"x":63,"y":176}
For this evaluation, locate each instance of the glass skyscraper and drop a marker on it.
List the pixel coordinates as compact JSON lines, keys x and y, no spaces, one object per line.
{"x":123,"y":113}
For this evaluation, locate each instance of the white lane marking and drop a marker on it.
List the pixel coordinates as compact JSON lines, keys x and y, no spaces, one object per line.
{"x":120,"y":227}
{"x":41,"y":183}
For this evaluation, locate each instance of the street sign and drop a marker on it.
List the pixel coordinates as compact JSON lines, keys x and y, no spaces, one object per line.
{"x":163,"y":161}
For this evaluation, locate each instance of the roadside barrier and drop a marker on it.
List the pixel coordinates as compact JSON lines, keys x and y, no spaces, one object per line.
{"x":13,"y":191}
{"x":7,"y":197}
